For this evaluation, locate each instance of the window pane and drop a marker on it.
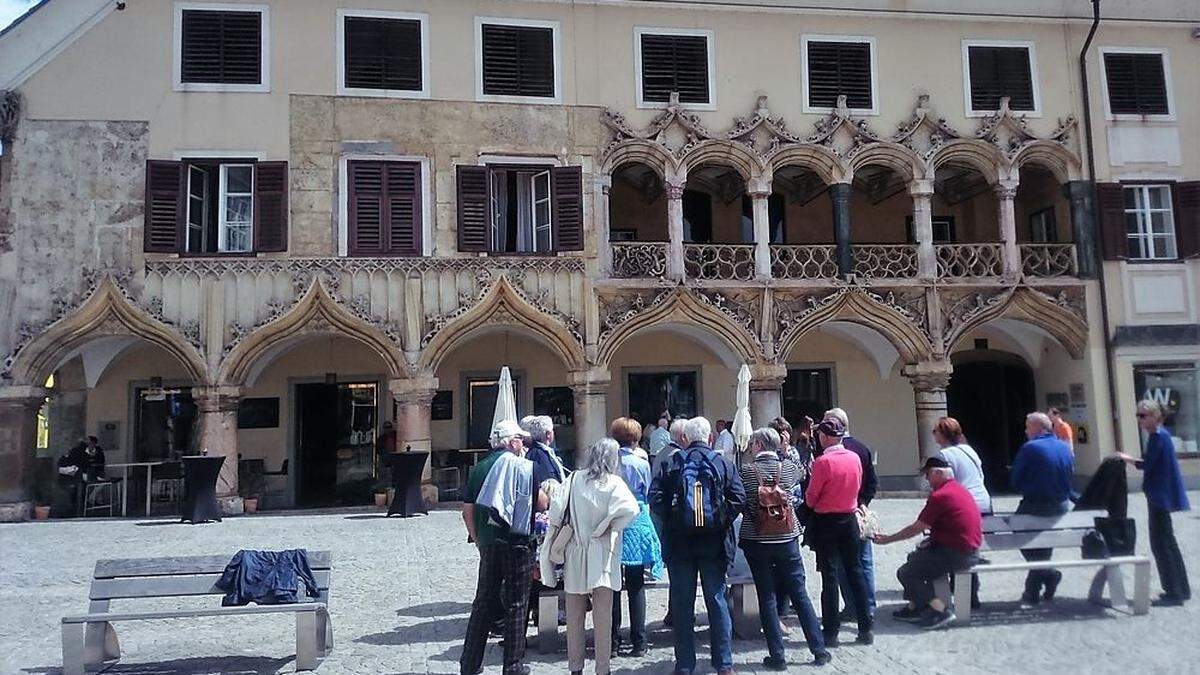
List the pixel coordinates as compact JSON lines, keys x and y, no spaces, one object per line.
{"x":238,"y":209}
{"x":543,"y":239}
{"x":1175,"y":387}
{"x":1131,"y":222}
{"x":542,"y":214}
{"x":239,"y":179}
{"x":1160,"y":222}
{"x":1164,"y":247}
{"x":237,"y":238}
{"x":1159,"y":197}
{"x":1131,"y":195}
{"x":1137,"y":248}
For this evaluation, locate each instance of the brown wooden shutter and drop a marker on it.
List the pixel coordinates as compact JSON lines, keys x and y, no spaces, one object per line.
{"x":836,"y":68}
{"x":1136,"y":83}
{"x":221,"y":47}
{"x":1187,"y":219}
{"x":474,"y":218}
{"x":165,"y":190}
{"x":517,"y":60}
{"x":271,"y":206}
{"x":997,"y":72}
{"x":366,"y":184}
{"x":383,"y":53}
{"x":1110,"y":203}
{"x":403,"y":204}
{"x":675,"y":63}
{"x":568,"y":207}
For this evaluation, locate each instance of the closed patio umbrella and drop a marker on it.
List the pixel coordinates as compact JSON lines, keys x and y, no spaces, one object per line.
{"x":506,"y":400}
{"x":742,"y":428}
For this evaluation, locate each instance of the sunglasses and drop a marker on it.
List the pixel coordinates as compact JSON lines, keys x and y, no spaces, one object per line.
{"x":1143,"y":414}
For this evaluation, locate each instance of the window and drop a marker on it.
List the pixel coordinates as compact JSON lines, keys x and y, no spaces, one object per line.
{"x":505,"y":208}
{"x":776,"y":210}
{"x":838,"y":66}
{"x":199,"y":206}
{"x":943,"y":230}
{"x":807,"y":392}
{"x":1175,"y":387}
{"x":518,"y":60}
{"x":995,"y":70}
{"x":697,"y":217}
{"x":668,"y":60}
{"x":1149,"y":222}
{"x":384,"y":207}
{"x":650,"y":393}
{"x":1136,"y":82}
{"x":221,"y":47}
{"x":1042,"y":227}
{"x":383,"y":54}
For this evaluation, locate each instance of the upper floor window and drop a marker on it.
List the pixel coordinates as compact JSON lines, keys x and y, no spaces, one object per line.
{"x":671,"y":60}
{"x":221,"y":47}
{"x":1149,"y":222}
{"x":1136,"y":82}
{"x":1043,"y":228}
{"x":383,"y":54}
{"x":943,"y":230}
{"x":994,"y":70}
{"x":199,"y":206}
{"x":517,"y":61}
{"x":520,"y":208}
{"x":835,"y":66}
{"x":384,"y":207}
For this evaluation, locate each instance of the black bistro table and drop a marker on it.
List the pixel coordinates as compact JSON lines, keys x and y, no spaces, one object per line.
{"x":407,"y":468}
{"x":200,"y":488}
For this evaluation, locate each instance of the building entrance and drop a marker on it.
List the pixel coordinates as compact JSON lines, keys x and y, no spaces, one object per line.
{"x":337,"y":461}
{"x":990,"y":394}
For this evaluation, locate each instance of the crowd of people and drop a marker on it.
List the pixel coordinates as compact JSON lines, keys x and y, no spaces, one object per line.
{"x":687,"y":501}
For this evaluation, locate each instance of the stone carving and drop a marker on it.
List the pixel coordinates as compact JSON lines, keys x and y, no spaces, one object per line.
{"x":921,"y":133}
{"x":615,"y":310}
{"x":10,"y":112}
{"x":744,"y":307}
{"x":960,"y":308}
{"x":468,"y":299}
{"x":306,"y":268}
{"x":1011,"y":132}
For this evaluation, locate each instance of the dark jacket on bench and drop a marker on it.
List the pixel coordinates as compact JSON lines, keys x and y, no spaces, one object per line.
{"x":267,"y":578}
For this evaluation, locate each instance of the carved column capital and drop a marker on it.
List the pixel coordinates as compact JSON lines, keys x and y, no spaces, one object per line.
{"x":218,"y":399}
{"x":1006,"y":190}
{"x":591,"y":382}
{"x":767,"y":376}
{"x":921,"y":188}
{"x":413,"y":390}
{"x":674,"y":191}
{"x":929,"y":375}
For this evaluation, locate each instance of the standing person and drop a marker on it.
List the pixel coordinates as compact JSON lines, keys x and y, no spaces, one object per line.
{"x":955,"y":528}
{"x":968,"y":472}
{"x":724,"y":442}
{"x":678,"y":443}
{"x":1062,"y":428}
{"x":697,"y":495}
{"x":770,"y":537}
{"x":1041,"y":473}
{"x":546,"y":466}
{"x":498,"y":505}
{"x":659,"y":437}
{"x":1165,"y":493}
{"x":832,"y":495}
{"x":866,"y":493}
{"x":598,"y":506}
{"x":640,"y":547}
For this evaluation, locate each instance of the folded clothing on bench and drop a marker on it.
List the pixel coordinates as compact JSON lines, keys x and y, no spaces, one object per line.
{"x":267,"y":577}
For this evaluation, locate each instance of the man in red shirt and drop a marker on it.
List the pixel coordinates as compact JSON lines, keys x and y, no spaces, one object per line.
{"x":955,"y":535}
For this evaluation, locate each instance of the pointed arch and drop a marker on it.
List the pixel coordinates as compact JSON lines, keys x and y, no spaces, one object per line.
{"x":1060,"y":161}
{"x":724,"y":153}
{"x":1033,"y":307}
{"x":504,"y":306}
{"x":315,"y":312}
{"x":680,"y":307}
{"x":901,"y":159}
{"x":980,"y":155}
{"x":860,"y":308}
{"x":640,"y":151}
{"x":818,"y":158}
{"x":107,"y":312}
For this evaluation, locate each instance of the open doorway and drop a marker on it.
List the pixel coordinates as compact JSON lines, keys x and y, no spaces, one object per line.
{"x":990,"y":394}
{"x":336,"y":455}
{"x":163,"y":424}
{"x":652,"y":393}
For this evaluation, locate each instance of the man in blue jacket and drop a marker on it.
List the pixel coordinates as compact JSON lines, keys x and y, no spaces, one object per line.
{"x":1042,"y":473}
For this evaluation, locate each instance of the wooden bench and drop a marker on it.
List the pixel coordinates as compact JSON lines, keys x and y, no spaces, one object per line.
{"x":90,"y":639}
{"x":1011,"y":532}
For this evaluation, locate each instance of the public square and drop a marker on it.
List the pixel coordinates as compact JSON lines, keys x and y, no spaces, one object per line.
{"x":401,"y":593}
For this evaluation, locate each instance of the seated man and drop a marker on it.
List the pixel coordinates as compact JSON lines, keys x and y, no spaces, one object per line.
{"x":955,"y":535}
{"x":82,"y":464}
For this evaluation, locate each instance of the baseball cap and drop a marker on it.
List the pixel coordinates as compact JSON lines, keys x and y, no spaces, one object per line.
{"x":935,"y":463}
{"x":507,"y":428}
{"x":832,"y":427}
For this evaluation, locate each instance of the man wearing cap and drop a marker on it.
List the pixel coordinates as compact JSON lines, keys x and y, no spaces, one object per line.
{"x":832,"y":494}
{"x":955,"y":535}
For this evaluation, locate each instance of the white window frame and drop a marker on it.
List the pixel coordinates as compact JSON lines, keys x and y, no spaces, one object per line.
{"x":710,"y":51}
{"x":1166,"y":63}
{"x":340,"y":57}
{"x":222,"y":209}
{"x":967,"y":43}
{"x":177,"y":49}
{"x":187,"y":218}
{"x":556,"y":36}
{"x":1145,"y":228}
{"x":866,"y":39}
{"x":343,"y":224}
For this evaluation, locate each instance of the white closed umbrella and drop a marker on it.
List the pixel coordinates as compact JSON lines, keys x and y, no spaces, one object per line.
{"x":506,"y":401}
{"x":742,"y":428}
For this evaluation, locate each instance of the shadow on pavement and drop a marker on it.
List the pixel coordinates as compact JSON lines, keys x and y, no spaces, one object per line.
{"x":1007,"y":613}
{"x":428,"y":631}
{"x":432,"y":609}
{"x":231,"y":665}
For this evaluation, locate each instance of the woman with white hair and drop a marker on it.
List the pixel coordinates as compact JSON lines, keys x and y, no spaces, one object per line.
{"x":597,"y":505}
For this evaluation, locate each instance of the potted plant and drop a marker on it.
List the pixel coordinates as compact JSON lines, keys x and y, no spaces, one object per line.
{"x":41,"y":512}
{"x":250,"y":504}
{"x":381,"y":493}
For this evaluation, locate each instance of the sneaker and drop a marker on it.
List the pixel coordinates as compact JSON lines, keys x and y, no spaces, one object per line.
{"x":822,"y":659}
{"x":726,"y":671}
{"x":1029,"y":601}
{"x":1052,"y":586}
{"x":774,"y":664}
{"x":831,"y":638}
{"x":1167,"y":601}
{"x":638,"y":651}
{"x":522,"y":669}
{"x":866,"y":637}
{"x":908,"y":614}
{"x":935,"y":619}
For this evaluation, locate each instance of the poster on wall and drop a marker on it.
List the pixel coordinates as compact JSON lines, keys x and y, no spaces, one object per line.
{"x":557,"y":402}
{"x":442,"y":407}
{"x":1078,"y":399}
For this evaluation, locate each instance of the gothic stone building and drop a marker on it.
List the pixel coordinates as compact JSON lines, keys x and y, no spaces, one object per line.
{"x":261,"y":229}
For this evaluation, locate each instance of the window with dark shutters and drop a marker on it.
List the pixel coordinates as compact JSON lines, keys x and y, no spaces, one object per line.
{"x":518,"y":60}
{"x":270,"y":206}
{"x":568,"y":208}
{"x":474,"y":220}
{"x":164,"y":206}
{"x":383,"y":53}
{"x":384,"y":207}
{"x":675,"y":63}
{"x":1110,"y":203}
{"x":839,"y":68}
{"x":996,"y":72}
{"x":1136,"y":83}
{"x":221,"y":47}
{"x":1187,"y":219}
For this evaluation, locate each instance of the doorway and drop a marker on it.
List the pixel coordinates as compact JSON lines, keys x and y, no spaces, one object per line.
{"x":807,"y":392}
{"x":650,"y":394}
{"x":481,"y":407}
{"x":163,"y":423}
{"x":990,"y":394}
{"x":336,"y":460}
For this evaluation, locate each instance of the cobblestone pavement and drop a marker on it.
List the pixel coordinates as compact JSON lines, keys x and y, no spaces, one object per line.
{"x":402,"y":591}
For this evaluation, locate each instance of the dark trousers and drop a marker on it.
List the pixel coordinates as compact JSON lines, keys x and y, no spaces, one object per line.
{"x":633,"y":581}
{"x":838,"y":547}
{"x":773,"y":566}
{"x":505,"y":572}
{"x":1168,"y":559}
{"x":1036,"y":580}
{"x":927,"y":564}
{"x":683,"y":570}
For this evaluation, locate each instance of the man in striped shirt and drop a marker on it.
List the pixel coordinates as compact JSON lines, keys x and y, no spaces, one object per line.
{"x":774,"y":559}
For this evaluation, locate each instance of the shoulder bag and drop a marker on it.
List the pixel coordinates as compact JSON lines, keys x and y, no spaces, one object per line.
{"x":565,"y":532}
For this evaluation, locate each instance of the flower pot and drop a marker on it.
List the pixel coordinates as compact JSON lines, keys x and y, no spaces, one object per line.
{"x":250,"y":505}
{"x":381,"y":499}
{"x":41,"y":512}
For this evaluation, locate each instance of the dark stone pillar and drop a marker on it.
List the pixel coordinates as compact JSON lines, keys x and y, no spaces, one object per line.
{"x":18,"y":432}
{"x":839,"y":196}
{"x":1083,"y":227}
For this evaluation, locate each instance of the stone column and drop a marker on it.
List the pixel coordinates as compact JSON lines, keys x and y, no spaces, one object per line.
{"x":590,"y":388}
{"x":675,"y":231}
{"x":1006,"y":192}
{"x":922,"y":195}
{"x":839,"y":196}
{"x":760,"y":200}
{"x":18,"y":439}
{"x":766,"y":393}
{"x":1083,"y":230}
{"x":218,"y":436}
{"x":603,"y":225}
{"x":414,"y":399}
{"x":929,"y":380}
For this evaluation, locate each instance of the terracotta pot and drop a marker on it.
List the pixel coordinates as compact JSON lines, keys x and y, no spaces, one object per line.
{"x":381,"y":499}
{"x":250,"y":505}
{"x":41,"y":512}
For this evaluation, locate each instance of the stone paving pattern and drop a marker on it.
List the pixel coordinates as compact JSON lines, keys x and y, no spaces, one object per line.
{"x":402,"y":591}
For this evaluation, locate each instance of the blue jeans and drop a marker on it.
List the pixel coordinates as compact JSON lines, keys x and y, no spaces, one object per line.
{"x":866,"y":560}
{"x":683,"y":570}
{"x":776,"y":565}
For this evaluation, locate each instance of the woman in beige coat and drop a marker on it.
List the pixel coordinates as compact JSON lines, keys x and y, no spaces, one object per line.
{"x":600,"y":505}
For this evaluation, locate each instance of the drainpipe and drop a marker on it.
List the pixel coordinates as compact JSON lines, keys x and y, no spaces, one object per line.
{"x":1114,"y":406}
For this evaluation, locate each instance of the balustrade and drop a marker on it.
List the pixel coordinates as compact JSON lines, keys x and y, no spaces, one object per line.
{"x":1049,"y":260}
{"x":800,"y":261}
{"x":633,"y":259}
{"x":965,"y":261}
{"x":885,"y":261}
{"x":722,"y":262}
